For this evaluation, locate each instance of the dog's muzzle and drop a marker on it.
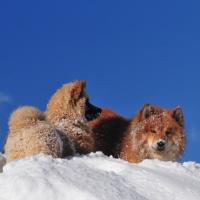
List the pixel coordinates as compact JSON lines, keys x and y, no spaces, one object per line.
{"x":160,"y":146}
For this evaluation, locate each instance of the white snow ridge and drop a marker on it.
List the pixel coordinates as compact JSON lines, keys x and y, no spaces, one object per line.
{"x":97,"y":177}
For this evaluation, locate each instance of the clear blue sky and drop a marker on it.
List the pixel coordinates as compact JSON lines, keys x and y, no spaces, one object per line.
{"x":130,"y":52}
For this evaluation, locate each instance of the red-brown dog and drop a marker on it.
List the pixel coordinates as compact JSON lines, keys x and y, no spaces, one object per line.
{"x":154,"y":133}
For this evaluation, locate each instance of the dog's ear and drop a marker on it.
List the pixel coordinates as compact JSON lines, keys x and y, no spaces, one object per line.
{"x":77,"y":90}
{"x":147,"y":111}
{"x":177,"y":114}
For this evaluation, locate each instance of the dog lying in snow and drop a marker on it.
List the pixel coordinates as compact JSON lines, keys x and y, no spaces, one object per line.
{"x":30,"y":134}
{"x":65,"y":131}
{"x":158,"y":136}
{"x":154,"y":133}
{"x":69,"y":110}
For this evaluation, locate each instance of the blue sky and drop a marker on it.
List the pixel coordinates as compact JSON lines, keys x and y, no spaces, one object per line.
{"x":130,"y":53}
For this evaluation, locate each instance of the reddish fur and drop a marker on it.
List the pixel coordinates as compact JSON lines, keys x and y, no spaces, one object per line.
{"x":112,"y":132}
{"x":140,"y":149}
{"x":108,"y":130}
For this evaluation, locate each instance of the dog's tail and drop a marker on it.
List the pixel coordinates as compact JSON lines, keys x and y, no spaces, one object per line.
{"x":24,"y":117}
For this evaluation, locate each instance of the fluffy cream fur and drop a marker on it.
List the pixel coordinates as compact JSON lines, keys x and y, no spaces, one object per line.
{"x":30,"y":134}
{"x":66,"y":110}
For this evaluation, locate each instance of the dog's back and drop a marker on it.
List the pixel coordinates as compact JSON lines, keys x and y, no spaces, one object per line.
{"x":108,"y":130}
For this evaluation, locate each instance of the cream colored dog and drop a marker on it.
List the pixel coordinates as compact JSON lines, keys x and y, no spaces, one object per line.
{"x":30,"y":134}
{"x":69,"y":110}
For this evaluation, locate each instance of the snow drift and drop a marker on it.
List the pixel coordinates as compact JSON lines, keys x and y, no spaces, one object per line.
{"x":97,"y":177}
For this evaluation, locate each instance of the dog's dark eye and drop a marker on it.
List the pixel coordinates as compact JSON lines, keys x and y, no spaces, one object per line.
{"x":153,"y":131}
{"x":168,"y":133}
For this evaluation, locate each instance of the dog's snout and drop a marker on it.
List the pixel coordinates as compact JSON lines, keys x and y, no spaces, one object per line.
{"x":161,"y":145}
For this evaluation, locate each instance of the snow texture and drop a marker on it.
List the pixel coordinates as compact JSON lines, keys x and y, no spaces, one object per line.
{"x":97,"y":177}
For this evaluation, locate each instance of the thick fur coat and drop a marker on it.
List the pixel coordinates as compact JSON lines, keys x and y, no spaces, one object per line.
{"x":30,"y":134}
{"x":158,"y":136}
{"x":136,"y":139}
{"x":69,"y":111}
{"x":108,"y":130}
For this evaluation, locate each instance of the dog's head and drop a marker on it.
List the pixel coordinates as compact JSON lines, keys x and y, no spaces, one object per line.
{"x":24,"y":117}
{"x":72,"y":102}
{"x":162,"y":133}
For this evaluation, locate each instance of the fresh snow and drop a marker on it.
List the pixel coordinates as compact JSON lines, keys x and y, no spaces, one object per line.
{"x":97,"y":177}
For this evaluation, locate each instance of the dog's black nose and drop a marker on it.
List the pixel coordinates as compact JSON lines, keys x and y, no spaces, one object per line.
{"x":161,"y":145}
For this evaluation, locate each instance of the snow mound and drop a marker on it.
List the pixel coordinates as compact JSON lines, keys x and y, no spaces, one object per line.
{"x":97,"y":177}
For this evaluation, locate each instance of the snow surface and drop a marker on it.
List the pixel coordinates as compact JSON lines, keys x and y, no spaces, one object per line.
{"x":97,"y":177}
